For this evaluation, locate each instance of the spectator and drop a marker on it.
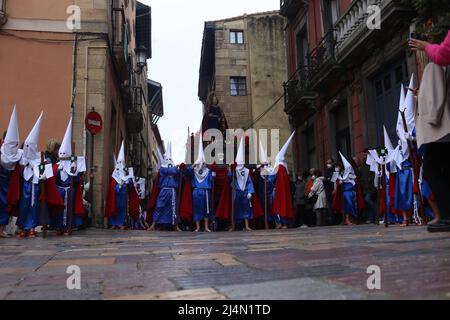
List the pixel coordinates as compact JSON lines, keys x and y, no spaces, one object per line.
{"x":318,"y":192}
{"x":51,"y":153}
{"x":433,"y":125}
{"x":300,"y":203}
{"x":329,"y":185}
{"x":308,"y":187}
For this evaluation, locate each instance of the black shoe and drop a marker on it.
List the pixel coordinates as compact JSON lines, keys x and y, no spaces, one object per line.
{"x":439,"y":227}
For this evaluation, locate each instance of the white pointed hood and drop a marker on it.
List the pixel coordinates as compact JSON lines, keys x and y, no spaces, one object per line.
{"x":200,"y":154}
{"x":69,"y":168}
{"x":281,"y":156}
{"x":387,"y":140}
{"x":262,"y":154}
{"x":65,"y":150}
{"x":10,"y":152}
{"x":168,"y":156}
{"x":31,"y":156}
{"x":266,"y":168}
{"x":410,"y":105}
{"x":119,"y":173}
{"x":30,"y":147}
{"x":240,"y":156}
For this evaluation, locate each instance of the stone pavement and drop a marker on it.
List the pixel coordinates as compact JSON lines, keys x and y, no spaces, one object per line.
{"x":315,"y":263}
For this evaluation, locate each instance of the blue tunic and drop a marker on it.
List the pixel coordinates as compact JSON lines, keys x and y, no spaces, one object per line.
{"x":242,"y":205}
{"x":29,"y":205}
{"x":166,"y":204}
{"x":404,"y":188}
{"x":61,"y":220}
{"x":349,"y":196}
{"x":121,"y":205}
{"x":5,"y":177}
{"x":271,"y":183}
{"x":201,"y":196}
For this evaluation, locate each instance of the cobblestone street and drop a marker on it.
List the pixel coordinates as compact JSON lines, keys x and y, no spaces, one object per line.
{"x":325,"y":263}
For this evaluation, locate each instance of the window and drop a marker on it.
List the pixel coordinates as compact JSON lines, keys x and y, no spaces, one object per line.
{"x":302,"y":48}
{"x":2,"y":6}
{"x":237,"y":36}
{"x":238,"y":86}
{"x":311,"y":147}
{"x":330,"y":14}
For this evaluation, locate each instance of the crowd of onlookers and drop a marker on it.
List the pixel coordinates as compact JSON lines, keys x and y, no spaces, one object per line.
{"x":313,"y":193}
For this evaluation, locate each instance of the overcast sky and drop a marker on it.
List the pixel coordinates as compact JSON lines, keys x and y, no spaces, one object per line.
{"x":177,"y":31}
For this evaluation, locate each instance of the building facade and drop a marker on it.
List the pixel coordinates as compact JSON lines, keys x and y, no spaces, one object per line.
{"x":65,"y":66}
{"x":243,"y":60}
{"x":344,"y":77}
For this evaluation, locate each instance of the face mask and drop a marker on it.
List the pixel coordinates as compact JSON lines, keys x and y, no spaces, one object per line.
{"x":313,"y":177}
{"x":329,"y":166}
{"x":336,"y":170}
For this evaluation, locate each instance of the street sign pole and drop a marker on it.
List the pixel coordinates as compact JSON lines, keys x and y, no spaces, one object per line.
{"x":94,"y":124}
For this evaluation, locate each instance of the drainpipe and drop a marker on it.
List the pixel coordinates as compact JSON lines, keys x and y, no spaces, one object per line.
{"x":86,"y":80}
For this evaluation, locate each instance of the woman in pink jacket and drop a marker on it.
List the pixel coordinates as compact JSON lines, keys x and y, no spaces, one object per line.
{"x":438,"y":53}
{"x":436,"y":168}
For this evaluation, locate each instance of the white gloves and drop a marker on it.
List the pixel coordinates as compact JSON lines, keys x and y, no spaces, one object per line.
{"x":213,"y":174}
{"x":249,"y":196}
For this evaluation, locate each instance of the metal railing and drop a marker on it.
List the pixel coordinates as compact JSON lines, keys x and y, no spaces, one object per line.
{"x":119,"y":32}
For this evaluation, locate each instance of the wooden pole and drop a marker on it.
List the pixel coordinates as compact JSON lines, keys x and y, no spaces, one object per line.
{"x":266,"y":220}
{"x":177,"y":220}
{"x":70,"y":206}
{"x":233,"y":223}
{"x":213,"y":213}
{"x":43,"y":196}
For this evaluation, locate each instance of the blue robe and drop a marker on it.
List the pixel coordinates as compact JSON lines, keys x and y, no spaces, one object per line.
{"x":404,"y":188}
{"x":242,"y":205}
{"x":271,"y":183}
{"x":349,"y":197}
{"x":5,"y":177}
{"x":60,"y":221}
{"x":120,"y":219}
{"x":201,"y":196}
{"x":166,"y":204}
{"x":29,"y":205}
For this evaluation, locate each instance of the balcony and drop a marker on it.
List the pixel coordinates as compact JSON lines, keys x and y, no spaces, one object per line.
{"x":3,"y":15}
{"x":297,"y":90}
{"x":120,"y":41}
{"x":134,"y":116}
{"x":353,"y":37}
{"x":290,"y":8}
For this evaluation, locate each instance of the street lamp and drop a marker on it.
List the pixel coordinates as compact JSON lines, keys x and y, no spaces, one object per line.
{"x":141,"y":54}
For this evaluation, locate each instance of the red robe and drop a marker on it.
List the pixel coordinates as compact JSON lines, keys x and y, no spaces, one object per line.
{"x":186,"y":208}
{"x":133,"y":202}
{"x":338,"y":200}
{"x":282,"y":202}
{"x":13,"y":195}
{"x":55,"y":203}
{"x":152,"y":201}
{"x":110,"y":208}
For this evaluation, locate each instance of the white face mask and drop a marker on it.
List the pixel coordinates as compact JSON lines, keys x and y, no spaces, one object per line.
{"x":336,"y":170}
{"x":329,"y":166}
{"x":313,"y":177}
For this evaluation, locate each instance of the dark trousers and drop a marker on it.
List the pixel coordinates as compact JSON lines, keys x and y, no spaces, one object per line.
{"x":303,"y":215}
{"x":370,"y":199}
{"x":436,"y":171}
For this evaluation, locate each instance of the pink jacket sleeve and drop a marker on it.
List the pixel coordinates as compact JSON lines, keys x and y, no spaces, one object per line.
{"x":440,"y":53}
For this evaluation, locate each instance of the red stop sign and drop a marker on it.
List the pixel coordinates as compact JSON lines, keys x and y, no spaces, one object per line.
{"x":94,"y":122}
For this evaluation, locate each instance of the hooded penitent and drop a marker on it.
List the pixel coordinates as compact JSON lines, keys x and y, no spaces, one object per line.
{"x":31,"y":157}
{"x":348,"y":168}
{"x":282,"y":203}
{"x":119,"y":174}
{"x":241,"y":172}
{"x":266,"y":168}
{"x":69,"y":166}
{"x":200,"y":169}
{"x":168,"y":156}
{"x":10,"y":152}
